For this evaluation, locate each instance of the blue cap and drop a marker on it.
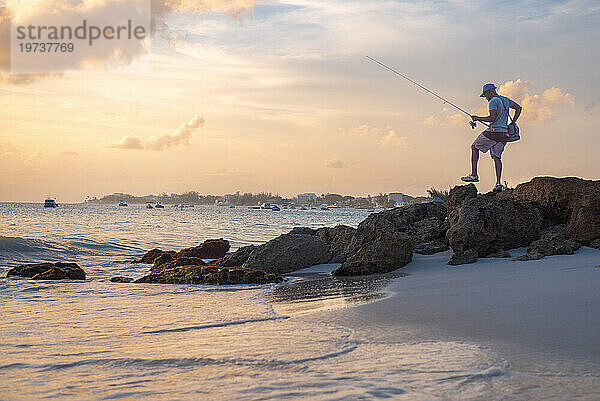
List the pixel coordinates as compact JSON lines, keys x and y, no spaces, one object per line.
{"x":487,"y":87}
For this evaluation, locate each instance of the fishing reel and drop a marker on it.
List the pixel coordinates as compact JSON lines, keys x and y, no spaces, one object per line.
{"x":473,"y":124}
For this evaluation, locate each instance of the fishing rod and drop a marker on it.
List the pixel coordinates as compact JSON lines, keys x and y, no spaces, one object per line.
{"x":472,"y":123}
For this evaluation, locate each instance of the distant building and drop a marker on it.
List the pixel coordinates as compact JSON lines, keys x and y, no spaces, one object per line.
{"x":306,"y":199}
{"x":396,"y":197}
{"x":151,"y":198}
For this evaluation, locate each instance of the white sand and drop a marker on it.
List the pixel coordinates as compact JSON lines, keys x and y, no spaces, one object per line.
{"x":549,"y":305}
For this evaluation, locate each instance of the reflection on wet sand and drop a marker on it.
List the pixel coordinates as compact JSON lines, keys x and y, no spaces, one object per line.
{"x":310,"y":292}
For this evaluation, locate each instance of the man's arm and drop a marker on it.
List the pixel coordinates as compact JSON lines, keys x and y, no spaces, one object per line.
{"x":489,"y":119}
{"x":518,"y":109}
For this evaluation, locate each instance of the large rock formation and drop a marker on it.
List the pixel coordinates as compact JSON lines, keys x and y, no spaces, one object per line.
{"x":289,"y":252}
{"x":492,"y":222}
{"x":383,"y":254}
{"x":339,"y":240}
{"x":425,"y":224}
{"x":49,"y":271}
{"x":571,"y":201}
{"x":236,"y":258}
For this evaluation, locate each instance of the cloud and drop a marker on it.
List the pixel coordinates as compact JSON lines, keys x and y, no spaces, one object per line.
{"x":537,"y":108}
{"x":446,"y":117}
{"x":181,"y":137}
{"x":335,"y":163}
{"x":103,"y":54}
{"x":383,"y":137}
{"x":394,"y":140}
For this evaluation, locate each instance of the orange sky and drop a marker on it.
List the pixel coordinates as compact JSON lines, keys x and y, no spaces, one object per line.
{"x":278,"y":96}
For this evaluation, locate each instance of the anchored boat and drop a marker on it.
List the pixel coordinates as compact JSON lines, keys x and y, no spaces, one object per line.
{"x":50,"y":203}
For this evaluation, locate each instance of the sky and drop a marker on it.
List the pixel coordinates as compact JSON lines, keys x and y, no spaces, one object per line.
{"x":278,"y":96}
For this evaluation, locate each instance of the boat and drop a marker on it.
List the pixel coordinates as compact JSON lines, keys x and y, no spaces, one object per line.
{"x":232,"y":206}
{"x":149,"y":206}
{"x":324,"y":206}
{"x":275,"y":208}
{"x":159,"y":205}
{"x":181,"y":206}
{"x":50,"y":203}
{"x":265,"y":206}
{"x":303,"y":208}
{"x":122,"y":203}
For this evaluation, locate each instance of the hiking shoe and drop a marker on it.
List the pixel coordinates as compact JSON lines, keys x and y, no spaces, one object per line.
{"x":470,"y":178}
{"x":498,"y":188}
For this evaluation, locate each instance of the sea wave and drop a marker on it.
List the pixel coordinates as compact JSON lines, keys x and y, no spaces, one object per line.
{"x":15,"y":250}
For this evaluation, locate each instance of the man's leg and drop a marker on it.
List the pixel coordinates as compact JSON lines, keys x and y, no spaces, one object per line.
{"x":498,"y":166}
{"x":474,"y":160}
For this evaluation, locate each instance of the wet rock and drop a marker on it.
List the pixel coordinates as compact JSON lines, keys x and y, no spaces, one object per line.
{"x":163,"y":258}
{"x":149,"y":257}
{"x":289,"y":252}
{"x":209,"y":249}
{"x":49,"y":271}
{"x":209,"y":275}
{"x":383,"y":254}
{"x":466,"y":257}
{"x":571,"y":201}
{"x":236,"y":258}
{"x":430,"y":248}
{"x":493,"y":222}
{"x":166,"y":262}
{"x":121,"y":279}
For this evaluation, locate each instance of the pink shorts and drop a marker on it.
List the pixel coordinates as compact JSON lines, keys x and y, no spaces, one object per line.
{"x":483,"y":143}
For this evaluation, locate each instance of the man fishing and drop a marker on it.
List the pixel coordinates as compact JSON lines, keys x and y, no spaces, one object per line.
{"x":494,"y":138}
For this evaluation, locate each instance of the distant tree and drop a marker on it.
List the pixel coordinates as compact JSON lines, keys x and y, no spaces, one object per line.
{"x":443,"y":195}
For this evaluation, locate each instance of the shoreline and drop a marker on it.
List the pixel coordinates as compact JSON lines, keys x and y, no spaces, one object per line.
{"x":544,"y":307}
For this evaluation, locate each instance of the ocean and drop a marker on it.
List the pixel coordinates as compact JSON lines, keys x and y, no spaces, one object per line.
{"x":303,"y":339}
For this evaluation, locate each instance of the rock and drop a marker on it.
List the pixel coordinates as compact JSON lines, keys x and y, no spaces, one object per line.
{"x":149,"y":257}
{"x":584,"y":225}
{"x":164,"y":262}
{"x":339,"y":240}
{"x":552,"y":241}
{"x":49,"y":271}
{"x":459,"y":194}
{"x":209,"y":249}
{"x":529,"y":256}
{"x":236,"y":258}
{"x":381,"y":255}
{"x":121,"y":279}
{"x":500,"y":254}
{"x":492,"y":222}
{"x":430,"y":248}
{"x":571,"y":201}
{"x":163,"y":258}
{"x":595,"y":243}
{"x":195,"y":274}
{"x":468,"y":256}
{"x":289,"y":252}
{"x":423,"y":223}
